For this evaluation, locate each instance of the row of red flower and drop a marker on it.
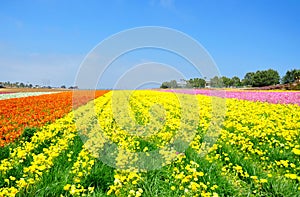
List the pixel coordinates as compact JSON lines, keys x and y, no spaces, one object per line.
{"x":18,"y":113}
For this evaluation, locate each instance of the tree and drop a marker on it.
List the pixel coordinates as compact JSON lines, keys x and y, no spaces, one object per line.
{"x":169,"y":84}
{"x":216,"y":82}
{"x":262,"y":78}
{"x":291,"y":76}
{"x":164,"y":85}
{"x":63,"y":86}
{"x":235,"y":81}
{"x":266,"y":78}
{"x":226,"y":81}
{"x":273,"y":77}
{"x":196,"y":83}
{"x":249,"y":78}
{"x":173,"y":84}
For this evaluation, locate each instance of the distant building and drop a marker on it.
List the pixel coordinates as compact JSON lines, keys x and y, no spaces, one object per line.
{"x":207,"y":84}
{"x":181,"y":83}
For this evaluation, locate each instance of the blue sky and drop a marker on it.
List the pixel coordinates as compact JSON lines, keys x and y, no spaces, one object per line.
{"x":44,"y":41}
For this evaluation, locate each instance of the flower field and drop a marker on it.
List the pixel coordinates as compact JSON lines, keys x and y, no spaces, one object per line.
{"x":150,"y":143}
{"x":276,"y":97}
{"x":35,"y":110}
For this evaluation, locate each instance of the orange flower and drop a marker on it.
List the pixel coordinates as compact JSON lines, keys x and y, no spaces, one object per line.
{"x":34,"y":111}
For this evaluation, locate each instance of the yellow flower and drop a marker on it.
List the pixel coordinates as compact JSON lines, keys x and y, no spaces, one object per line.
{"x":253,"y":177}
{"x":296,"y":151}
{"x":214,"y":187}
{"x":263,"y":180}
{"x":134,"y":182}
{"x":77,"y":180}
{"x":194,"y":186}
{"x":67,"y":187}
{"x":132,"y":192}
{"x":270,"y":175}
{"x":21,"y":183}
{"x":138,"y":194}
{"x":291,"y":176}
{"x":12,"y":178}
{"x":292,"y":165}
{"x":91,"y":189}
{"x":215,"y":194}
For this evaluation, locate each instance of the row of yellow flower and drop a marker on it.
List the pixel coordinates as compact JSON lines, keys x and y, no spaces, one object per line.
{"x":159,"y":118}
{"x":252,"y":128}
{"x":265,"y":136}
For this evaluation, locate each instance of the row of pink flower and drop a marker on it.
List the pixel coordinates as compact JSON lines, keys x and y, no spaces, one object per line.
{"x":281,"y":97}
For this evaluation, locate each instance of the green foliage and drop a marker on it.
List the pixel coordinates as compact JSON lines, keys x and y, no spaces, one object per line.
{"x":259,"y":78}
{"x":28,"y":133}
{"x":169,"y":84}
{"x":226,"y":81}
{"x":4,"y":152}
{"x":196,"y":83}
{"x":291,"y":76}
{"x":216,"y":82}
{"x":297,"y":87}
{"x":249,"y":78}
{"x":235,"y":81}
{"x":191,"y":83}
{"x":262,"y":78}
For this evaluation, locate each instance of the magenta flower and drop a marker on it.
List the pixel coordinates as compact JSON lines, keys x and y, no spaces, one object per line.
{"x":284,"y":97}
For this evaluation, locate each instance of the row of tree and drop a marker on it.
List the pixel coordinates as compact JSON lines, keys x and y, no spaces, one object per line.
{"x":9,"y":84}
{"x":225,"y":82}
{"x":15,"y":84}
{"x":259,"y":78}
{"x":191,"y":83}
